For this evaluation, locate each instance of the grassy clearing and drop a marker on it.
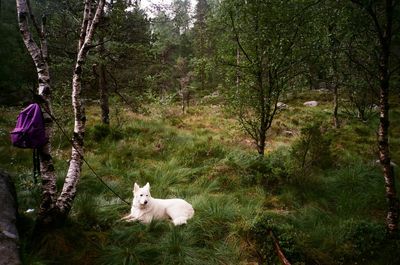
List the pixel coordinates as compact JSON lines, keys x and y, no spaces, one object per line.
{"x":327,"y":208}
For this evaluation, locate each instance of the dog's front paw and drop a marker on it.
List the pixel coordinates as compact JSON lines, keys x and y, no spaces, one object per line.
{"x":126,"y":218}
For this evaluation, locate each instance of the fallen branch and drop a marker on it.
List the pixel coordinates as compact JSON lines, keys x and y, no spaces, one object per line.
{"x":278,"y":249}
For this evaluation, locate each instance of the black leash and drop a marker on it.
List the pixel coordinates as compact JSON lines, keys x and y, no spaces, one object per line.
{"x":83,"y":159}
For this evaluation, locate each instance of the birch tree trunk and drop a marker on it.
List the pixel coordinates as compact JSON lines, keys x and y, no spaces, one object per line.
{"x":39,"y":57}
{"x":54,"y":210}
{"x":385,"y":39}
{"x":336,"y":123}
{"x":90,"y":22}
{"x":103,"y":89}
{"x":392,"y":217}
{"x":382,"y":20}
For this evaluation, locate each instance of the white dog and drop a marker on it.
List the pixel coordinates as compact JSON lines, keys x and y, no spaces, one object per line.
{"x":145,"y":208}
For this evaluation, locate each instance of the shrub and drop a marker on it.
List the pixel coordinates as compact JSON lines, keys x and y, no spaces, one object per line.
{"x":286,"y":235}
{"x":99,"y":132}
{"x":312,"y":150}
{"x":355,"y":189}
{"x":364,"y":238}
{"x":269,"y":171}
{"x":278,"y":162}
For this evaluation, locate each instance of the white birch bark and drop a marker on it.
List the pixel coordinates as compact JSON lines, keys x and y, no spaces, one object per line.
{"x":52,"y":209}
{"x":39,"y":57}
{"x":89,"y":25}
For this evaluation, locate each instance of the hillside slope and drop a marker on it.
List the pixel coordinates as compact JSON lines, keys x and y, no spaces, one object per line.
{"x":318,"y":188}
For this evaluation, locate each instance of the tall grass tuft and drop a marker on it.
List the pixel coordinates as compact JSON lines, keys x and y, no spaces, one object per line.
{"x":214,"y":216}
{"x":66,"y":245}
{"x":129,"y":245}
{"x":85,"y":209}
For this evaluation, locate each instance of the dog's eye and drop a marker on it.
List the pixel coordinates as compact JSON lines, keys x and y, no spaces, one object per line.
{"x":141,"y":195}
{"x":147,"y":195}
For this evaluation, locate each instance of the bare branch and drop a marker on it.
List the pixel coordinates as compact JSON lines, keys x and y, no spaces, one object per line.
{"x":374,"y":17}
{"x":234,"y":64}
{"x":394,"y":70}
{"x":33,"y":19}
{"x":97,"y":44}
{"x":361,"y":65}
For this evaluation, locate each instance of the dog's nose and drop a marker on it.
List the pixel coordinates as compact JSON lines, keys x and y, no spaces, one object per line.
{"x":145,"y":202}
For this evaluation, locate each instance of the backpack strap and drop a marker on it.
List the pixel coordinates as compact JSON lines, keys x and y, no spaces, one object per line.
{"x":36,"y":164}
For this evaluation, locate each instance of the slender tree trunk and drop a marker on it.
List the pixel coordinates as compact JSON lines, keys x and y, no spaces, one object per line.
{"x":392,"y":217}
{"x":313,"y":76}
{"x":237,"y":68}
{"x":105,"y":109}
{"x":103,"y":89}
{"x":262,"y":118}
{"x":90,"y":22}
{"x":385,"y":37}
{"x":334,"y":50}
{"x":263,"y":101}
{"x":39,"y":57}
{"x":202,"y":70}
{"x":383,"y":29}
{"x":261,"y":145}
{"x":335,"y":106}
{"x":203,"y":77}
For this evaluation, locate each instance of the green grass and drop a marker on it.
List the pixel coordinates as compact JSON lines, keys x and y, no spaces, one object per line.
{"x":321,"y":214}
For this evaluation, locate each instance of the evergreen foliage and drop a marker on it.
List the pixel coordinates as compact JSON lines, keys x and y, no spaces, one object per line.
{"x":17,"y":73}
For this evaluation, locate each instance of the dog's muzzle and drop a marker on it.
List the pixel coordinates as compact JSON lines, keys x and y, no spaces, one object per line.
{"x":143,"y":204}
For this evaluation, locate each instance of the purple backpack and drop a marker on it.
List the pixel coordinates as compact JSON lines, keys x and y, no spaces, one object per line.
{"x":29,"y":131}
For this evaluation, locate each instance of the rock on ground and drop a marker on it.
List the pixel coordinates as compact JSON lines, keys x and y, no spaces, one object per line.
{"x":9,"y":252}
{"x":312,"y":103}
{"x":281,"y":105}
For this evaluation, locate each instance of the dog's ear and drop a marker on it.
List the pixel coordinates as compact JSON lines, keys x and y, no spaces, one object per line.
{"x":136,"y":187}
{"x":147,"y":186}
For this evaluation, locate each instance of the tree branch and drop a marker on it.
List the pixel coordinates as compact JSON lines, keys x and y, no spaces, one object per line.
{"x":33,"y":19}
{"x":361,"y":65}
{"x":238,"y":40}
{"x":372,"y":14}
{"x":84,"y":25}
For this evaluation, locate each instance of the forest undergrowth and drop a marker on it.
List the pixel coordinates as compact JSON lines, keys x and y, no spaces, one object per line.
{"x":318,"y":188}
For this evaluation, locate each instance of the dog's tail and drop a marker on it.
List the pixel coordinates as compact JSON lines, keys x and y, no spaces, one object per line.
{"x":190,"y":212}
